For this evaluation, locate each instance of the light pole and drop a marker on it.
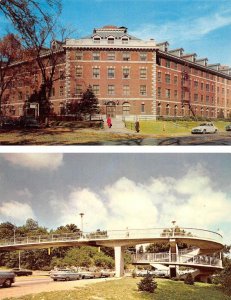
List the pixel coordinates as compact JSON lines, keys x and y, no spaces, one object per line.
{"x":81,"y":215}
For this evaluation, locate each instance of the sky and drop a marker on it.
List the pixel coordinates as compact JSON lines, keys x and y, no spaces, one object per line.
{"x":198,"y":26}
{"x":117,"y":190}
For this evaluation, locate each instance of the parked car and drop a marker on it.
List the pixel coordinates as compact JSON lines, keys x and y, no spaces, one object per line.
{"x":31,"y":123}
{"x":7,"y":278}
{"x":205,"y":128}
{"x":21,"y":272}
{"x":65,"y":275}
{"x":228,"y":127}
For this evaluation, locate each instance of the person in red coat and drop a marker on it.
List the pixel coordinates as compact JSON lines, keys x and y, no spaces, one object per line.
{"x":109,"y":123}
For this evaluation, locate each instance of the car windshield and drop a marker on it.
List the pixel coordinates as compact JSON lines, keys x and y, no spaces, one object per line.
{"x":203,"y":124}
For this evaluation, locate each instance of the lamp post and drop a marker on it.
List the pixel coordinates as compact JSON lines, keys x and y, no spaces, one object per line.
{"x":81,"y":215}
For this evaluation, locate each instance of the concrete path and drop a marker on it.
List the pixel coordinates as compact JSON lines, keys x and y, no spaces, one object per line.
{"x":118,"y":126}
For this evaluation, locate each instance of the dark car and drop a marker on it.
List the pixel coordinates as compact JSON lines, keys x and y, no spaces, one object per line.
{"x":228,"y":127}
{"x":21,"y":272}
{"x":7,"y":123}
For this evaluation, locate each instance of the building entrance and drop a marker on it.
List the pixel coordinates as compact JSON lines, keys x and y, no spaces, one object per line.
{"x":111,"y":109}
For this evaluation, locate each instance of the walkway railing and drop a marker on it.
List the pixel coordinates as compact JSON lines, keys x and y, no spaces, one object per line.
{"x":127,"y":234}
{"x":204,"y":260}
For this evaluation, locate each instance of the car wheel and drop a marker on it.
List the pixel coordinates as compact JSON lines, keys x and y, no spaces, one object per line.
{"x":55,"y":279}
{"x":7,"y":283}
{"x":67,"y":279}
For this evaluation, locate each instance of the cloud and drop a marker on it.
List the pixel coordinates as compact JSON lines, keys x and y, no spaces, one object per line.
{"x":35,"y":161}
{"x":182,"y":30}
{"x":16,"y":211}
{"x":24,"y":193}
{"x":193,"y":201}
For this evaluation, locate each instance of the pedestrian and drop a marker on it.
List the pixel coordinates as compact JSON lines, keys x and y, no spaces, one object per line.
{"x":137,"y":126}
{"x":109,"y":123}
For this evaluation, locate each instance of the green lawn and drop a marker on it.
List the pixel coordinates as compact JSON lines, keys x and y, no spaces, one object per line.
{"x":164,"y":128}
{"x":126,"y":289}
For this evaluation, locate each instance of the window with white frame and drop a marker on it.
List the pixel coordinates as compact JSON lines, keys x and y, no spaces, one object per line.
{"x":111,"y":72}
{"x":126,"y":56}
{"x":96,"y":55}
{"x":143,"y":90}
{"x":143,"y":56}
{"x":126,"y":90}
{"x":79,"y":55}
{"x":95,"y":72}
{"x":79,"y":71}
{"x":126,"y":72}
{"x":95,"y":89}
{"x":111,"y":89}
{"x":143,"y":73}
{"x":111,"y":55}
{"x":78,"y":89}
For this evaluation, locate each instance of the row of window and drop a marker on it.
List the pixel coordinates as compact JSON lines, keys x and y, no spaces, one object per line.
{"x":173,"y":65}
{"x":111,"y":55}
{"x":110,"y":40}
{"x":111,"y":72}
{"x":203,"y":111}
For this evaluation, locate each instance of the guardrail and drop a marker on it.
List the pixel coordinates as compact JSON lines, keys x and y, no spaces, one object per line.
{"x":127,"y":234}
{"x":204,"y":260}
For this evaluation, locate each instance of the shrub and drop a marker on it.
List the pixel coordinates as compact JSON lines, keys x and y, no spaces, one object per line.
{"x":225,"y":279}
{"x":189,"y":279}
{"x":134,"y":274}
{"x":147,"y":284}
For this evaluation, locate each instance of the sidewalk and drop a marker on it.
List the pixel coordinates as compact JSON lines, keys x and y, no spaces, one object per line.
{"x":118,"y":126}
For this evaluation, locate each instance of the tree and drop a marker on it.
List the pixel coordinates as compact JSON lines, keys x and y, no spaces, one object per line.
{"x":35,"y":23}
{"x":89,"y":103}
{"x":10,"y":52}
{"x":147,"y":284}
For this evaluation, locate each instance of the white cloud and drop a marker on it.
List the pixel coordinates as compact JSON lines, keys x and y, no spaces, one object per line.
{"x":35,"y":161}
{"x":16,"y":211}
{"x":184,"y":29}
{"x":24,"y":193}
{"x":193,"y":201}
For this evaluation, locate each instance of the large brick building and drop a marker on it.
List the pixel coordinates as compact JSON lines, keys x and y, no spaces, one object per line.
{"x":132,"y":77}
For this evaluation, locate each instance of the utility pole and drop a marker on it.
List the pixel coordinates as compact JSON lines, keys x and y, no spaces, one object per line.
{"x":81,"y":215}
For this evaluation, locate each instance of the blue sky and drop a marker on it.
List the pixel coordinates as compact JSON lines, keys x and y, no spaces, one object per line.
{"x":200,"y":26}
{"x":117,"y":190}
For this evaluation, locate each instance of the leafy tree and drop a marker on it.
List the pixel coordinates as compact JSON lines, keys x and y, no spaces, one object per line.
{"x":225,"y":279}
{"x":189,"y":279}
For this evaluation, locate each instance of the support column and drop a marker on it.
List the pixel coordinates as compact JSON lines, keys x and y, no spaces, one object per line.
{"x":119,"y":261}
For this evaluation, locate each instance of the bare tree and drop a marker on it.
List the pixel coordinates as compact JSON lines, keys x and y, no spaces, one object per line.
{"x":10,"y":53}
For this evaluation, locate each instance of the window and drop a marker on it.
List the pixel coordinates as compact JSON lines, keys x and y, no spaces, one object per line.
{"x":167,"y":78}
{"x":167,"y":93}
{"x":167,"y":63}
{"x":143,"y":56}
{"x":143,"y":90}
{"x":195,"y":97}
{"x":126,"y":90}
{"x":202,"y":85}
{"x":159,"y":92}
{"x":111,"y":55}
{"x":158,"y":109}
{"x":110,"y":40}
{"x":126,"y":72}
{"x":159,"y":76}
{"x":196,"y":85}
{"x":207,"y":87}
{"x":143,"y":73}
{"x":96,"y":55}
{"x":79,"y":55}
{"x":111,"y":89}
{"x":78,"y":89}
{"x":202,"y":98}
{"x":207,"y":99}
{"x":53,"y":92}
{"x":95,"y":89}
{"x":126,"y":56}
{"x":96,"y":40}
{"x":175,"y":94}
{"x":142,"y":107}
{"x":111,"y":73}
{"x":61,"y":90}
{"x":175,"y":66}
{"x":96,"y":73}
{"x":175,"y":110}
{"x":175,"y":80}
{"x":124,"y":40}
{"x":79,"y":71}
{"x":167,"y":110}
